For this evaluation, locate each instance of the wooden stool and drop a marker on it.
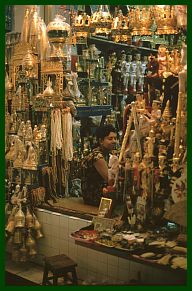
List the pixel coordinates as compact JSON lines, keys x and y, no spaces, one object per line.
{"x":60,"y":266}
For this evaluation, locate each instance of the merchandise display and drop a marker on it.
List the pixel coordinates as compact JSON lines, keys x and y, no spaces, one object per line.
{"x":65,"y":77}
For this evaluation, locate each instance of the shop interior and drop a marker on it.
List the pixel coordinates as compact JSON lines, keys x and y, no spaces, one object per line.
{"x":70,"y":69}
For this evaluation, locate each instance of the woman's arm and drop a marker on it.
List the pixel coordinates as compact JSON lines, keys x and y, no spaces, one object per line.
{"x":102,"y":169}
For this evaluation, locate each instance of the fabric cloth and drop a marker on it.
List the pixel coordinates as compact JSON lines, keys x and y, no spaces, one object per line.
{"x":92,"y":182}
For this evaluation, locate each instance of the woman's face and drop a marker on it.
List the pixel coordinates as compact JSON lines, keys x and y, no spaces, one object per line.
{"x":109,"y":141}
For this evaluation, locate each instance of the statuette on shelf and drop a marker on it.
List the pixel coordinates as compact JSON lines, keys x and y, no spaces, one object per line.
{"x":31,"y":162}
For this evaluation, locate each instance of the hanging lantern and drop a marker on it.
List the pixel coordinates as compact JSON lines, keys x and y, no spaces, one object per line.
{"x":58,"y":33}
{"x":101,"y":21}
{"x":165,"y":19}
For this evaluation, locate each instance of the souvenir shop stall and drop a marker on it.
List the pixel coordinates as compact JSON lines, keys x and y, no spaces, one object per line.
{"x":68,"y":70}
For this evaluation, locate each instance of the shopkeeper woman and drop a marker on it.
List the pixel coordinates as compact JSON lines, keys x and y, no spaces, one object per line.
{"x":95,"y":166}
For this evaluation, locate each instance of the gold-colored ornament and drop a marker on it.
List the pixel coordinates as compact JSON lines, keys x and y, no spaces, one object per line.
{"x":49,"y":92}
{"x":140,"y":21}
{"x":167,"y":111}
{"x":30,"y":244}
{"x":29,"y":219}
{"x":53,"y":70}
{"x":28,"y":63}
{"x":58,"y":33}
{"x":165,"y":19}
{"x":81,"y":27}
{"x":101,"y":21}
{"x":23,"y":252}
{"x":8,"y":84}
{"x":17,"y":237}
{"x":119,"y":28}
{"x":20,"y":51}
{"x":37,"y":227}
{"x":19,"y":218}
{"x":11,"y":225}
{"x":34,"y":29}
{"x":39,"y":234}
{"x":25,"y":27}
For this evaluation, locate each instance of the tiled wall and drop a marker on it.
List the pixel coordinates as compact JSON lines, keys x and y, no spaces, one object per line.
{"x":93,"y":266}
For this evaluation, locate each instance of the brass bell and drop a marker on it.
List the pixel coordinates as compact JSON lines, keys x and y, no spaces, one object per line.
{"x":39,"y":234}
{"x":15,"y":255}
{"x":23,"y":252}
{"x":30,"y":242}
{"x":32,"y":251}
{"x":10,"y":226}
{"x":37,"y":225}
{"x":17,"y":238}
{"x":29,"y":219}
{"x":19,"y":218}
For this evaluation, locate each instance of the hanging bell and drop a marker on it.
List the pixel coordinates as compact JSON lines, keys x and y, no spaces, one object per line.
{"x":37,"y":225}
{"x":19,"y":218}
{"x":17,"y":238}
{"x":32,"y":251}
{"x":30,"y":242}
{"x":23,"y":252}
{"x":15,"y":255}
{"x":10,"y":226}
{"x":29,"y":219}
{"x":39,"y":234}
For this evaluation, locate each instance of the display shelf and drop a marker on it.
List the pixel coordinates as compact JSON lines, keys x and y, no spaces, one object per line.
{"x":97,"y":110}
{"x":111,"y":44}
{"x":131,"y":257}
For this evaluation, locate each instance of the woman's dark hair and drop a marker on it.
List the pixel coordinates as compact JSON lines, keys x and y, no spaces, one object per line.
{"x":104,"y":131}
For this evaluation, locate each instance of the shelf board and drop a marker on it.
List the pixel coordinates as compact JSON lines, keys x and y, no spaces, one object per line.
{"x":123,"y":45}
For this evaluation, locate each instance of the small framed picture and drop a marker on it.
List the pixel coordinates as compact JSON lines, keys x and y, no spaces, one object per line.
{"x":105,"y":207}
